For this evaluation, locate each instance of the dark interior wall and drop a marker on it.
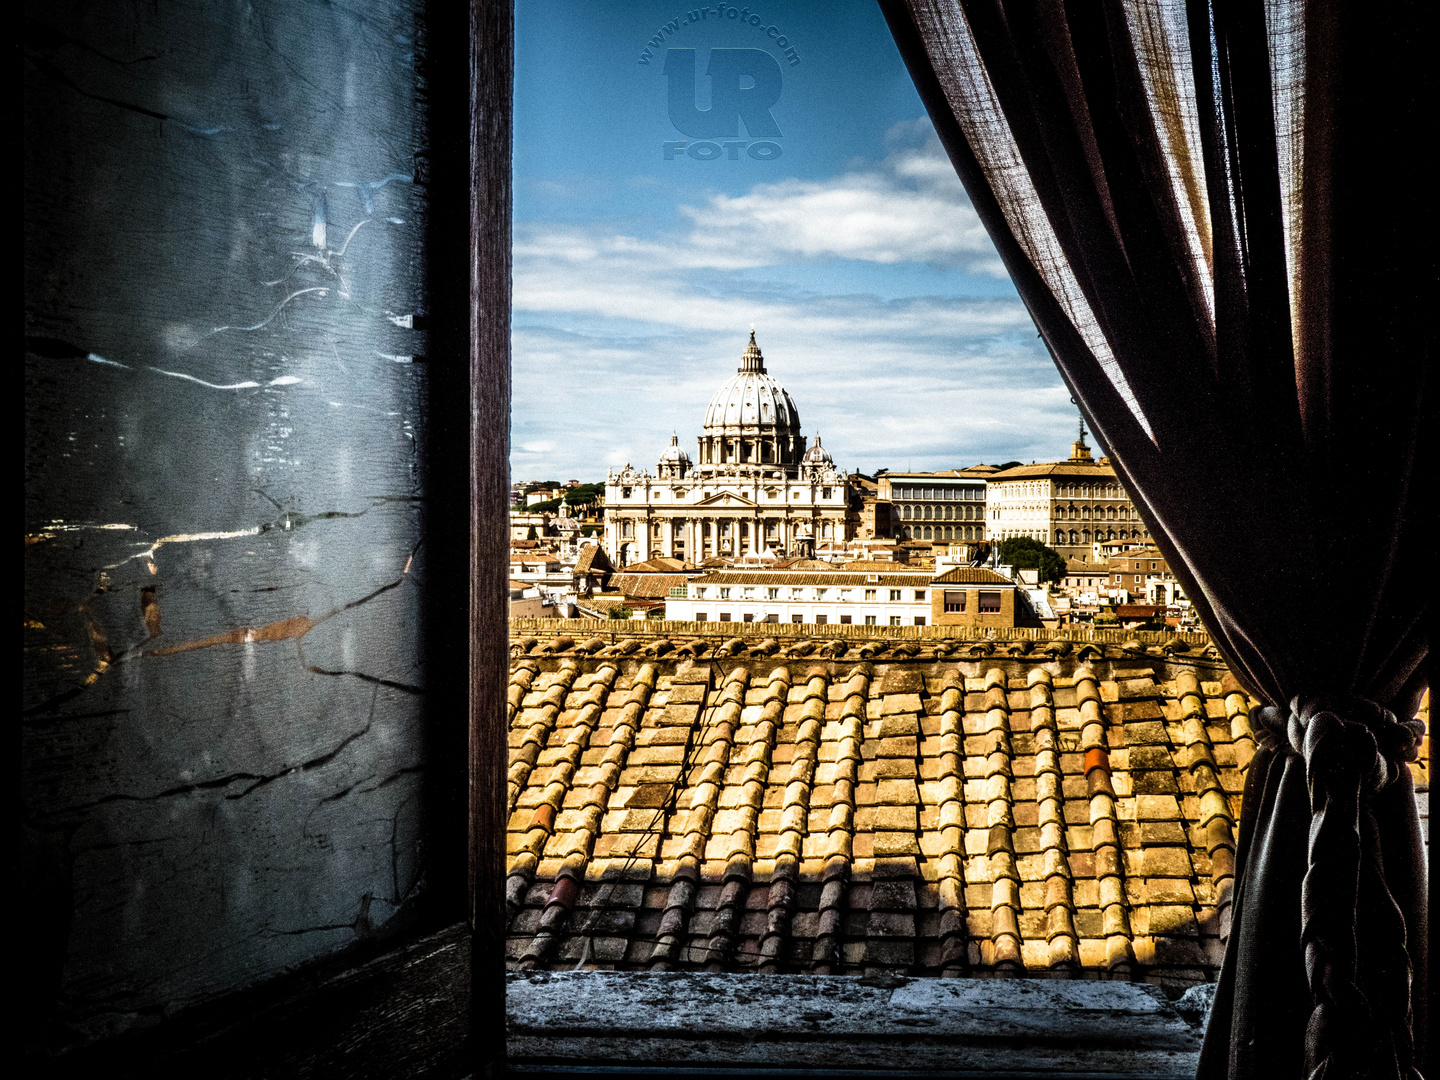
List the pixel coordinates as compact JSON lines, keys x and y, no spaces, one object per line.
{"x":242,"y":744}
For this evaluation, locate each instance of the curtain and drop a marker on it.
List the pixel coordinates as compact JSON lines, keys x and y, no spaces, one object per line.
{"x":1215,"y":213}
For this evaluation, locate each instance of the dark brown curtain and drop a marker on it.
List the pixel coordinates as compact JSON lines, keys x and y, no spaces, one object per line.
{"x":1216,"y":214}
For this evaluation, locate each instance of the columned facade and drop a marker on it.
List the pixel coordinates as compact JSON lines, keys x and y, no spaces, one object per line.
{"x":757,"y":489}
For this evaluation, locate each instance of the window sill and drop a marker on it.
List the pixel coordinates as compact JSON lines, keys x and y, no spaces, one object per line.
{"x":884,"y":1025}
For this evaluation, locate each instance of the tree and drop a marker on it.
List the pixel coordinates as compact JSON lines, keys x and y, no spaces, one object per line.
{"x":1027,"y":553}
{"x":620,"y":611}
{"x":530,"y":535}
{"x":1008,"y":465}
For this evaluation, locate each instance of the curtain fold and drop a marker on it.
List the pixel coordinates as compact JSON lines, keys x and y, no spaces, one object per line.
{"x":1214,"y":212}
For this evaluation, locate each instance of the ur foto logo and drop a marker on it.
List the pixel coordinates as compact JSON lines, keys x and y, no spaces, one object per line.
{"x":744,"y":86}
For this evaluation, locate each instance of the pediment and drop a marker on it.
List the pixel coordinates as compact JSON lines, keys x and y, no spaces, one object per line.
{"x":722,"y":500}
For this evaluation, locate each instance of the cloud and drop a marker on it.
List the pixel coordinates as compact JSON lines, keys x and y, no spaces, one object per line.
{"x":910,"y":207}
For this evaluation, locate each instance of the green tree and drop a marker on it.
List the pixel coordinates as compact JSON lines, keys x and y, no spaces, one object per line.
{"x":530,"y":534}
{"x":1008,"y":465}
{"x":1027,"y":553}
{"x":620,"y":611}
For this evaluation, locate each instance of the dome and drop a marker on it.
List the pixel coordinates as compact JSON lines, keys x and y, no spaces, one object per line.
{"x":818,"y":455}
{"x":673,"y":453}
{"x":751,"y":398}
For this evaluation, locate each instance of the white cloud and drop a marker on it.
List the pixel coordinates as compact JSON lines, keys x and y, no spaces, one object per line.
{"x":910,"y":207}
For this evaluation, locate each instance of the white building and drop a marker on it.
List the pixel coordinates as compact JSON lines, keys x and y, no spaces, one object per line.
{"x":755,"y":489}
{"x":864,"y":595}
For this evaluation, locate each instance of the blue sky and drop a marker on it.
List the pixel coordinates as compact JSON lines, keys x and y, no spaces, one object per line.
{"x":846,"y":240}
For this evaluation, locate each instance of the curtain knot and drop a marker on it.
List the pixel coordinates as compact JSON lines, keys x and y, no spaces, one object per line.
{"x":1350,"y":736}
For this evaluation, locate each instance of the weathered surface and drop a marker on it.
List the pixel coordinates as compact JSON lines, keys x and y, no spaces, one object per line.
{"x":227,"y":440}
{"x":834,"y":1021}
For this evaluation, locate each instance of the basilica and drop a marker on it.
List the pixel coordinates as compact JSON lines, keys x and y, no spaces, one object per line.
{"x":754,"y":490}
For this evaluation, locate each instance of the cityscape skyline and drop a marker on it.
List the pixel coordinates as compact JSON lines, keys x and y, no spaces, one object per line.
{"x":875,"y":293}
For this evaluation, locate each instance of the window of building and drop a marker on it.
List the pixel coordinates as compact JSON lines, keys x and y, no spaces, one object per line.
{"x":894,"y":620}
{"x":919,"y":594}
{"x":826,"y":493}
{"x":1137,"y":579}
{"x":797,"y":618}
{"x":749,"y":616}
{"x":869,"y":594}
{"x":821,"y":593}
{"x":844,"y":620}
{"x":955,"y":600}
{"x":796,"y":594}
{"x":772,"y":594}
{"x":749,"y":593}
{"x":919,"y":620}
{"x":821,"y":620}
{"x":724,"y":592}
{"x":625,"y":492}
{"x":724,"y":616}
{"x":989,"y":601}
{"x":772,"y":618}
{"x":700,"y":592}
{"x":894,"y":594}
{"x":869,"y":620}
{"x":702,"y":616}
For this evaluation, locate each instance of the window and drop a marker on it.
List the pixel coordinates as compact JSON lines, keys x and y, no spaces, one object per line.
{"x":724,"y":616}
{"x":700,"y":592}
{"x":796,"y":594}
{"x":772,"y":594}
{"x":625,"y":492}
{"x":989,"y":601}
{"x":1152,"y":566}
{"x":919,"y":620}
{"x":919,"y":594}
{"x":772,"y":618}
{"x":869,"y":620}
{"x":820,"y":593}
{"x":821,"y":620}
{"x":1137,"y":579}
{"x":955,"y":600}
{"x":749,"y":616}
{"x":702,"y":616}
{"x":724,"y":593}
{"x":826,"y":493}
{"x":894,"y":620}
{"x":869,"y":594}
{"x":797,"y":618}
{"x":845,"y":620}
{"x":894,"y":594}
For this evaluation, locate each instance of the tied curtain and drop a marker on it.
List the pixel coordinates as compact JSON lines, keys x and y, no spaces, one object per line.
{"x":1216,"y":214}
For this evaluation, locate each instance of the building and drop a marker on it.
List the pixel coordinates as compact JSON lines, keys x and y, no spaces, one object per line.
{"x":972,"y":596}
{"x":860,"y":594}
{"x":946,"y":505}
{"x":754,"y":489}
{"x":1073,"y":506}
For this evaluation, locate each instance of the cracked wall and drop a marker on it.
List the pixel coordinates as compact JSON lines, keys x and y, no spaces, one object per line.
{"x":227,"y":389}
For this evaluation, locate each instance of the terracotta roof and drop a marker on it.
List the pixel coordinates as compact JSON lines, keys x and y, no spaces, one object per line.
{"x":838,"y":805}
{"x":659,"y":565}
{"x":1056,"y":468}
{"x":972,"y":575}
{"x":1137,"y":611}
{"x":651,"y":586}
{"x":593,"y":560}
{"x":891,"y":575}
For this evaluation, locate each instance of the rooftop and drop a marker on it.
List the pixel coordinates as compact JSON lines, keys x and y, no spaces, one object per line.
{"x":972,"y":575}
{"x":815,"y":801}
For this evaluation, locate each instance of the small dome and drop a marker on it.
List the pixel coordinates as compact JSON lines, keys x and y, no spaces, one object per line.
{"x":817,"y":455}
{"x":673,"y":453}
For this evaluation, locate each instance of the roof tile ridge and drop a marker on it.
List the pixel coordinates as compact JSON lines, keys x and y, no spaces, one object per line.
{"x":597,"y":800}
{"x":1005,"y":942}
{"x":1109,"y":867}
{"x":780,"y":902}
{"x":1217,"y":820}
{"x":840,"y":829}
{"x":1060,"y":933}
{"x":524,"y":756}
{"x":562,"y":775}
{"x":954,"y":929}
